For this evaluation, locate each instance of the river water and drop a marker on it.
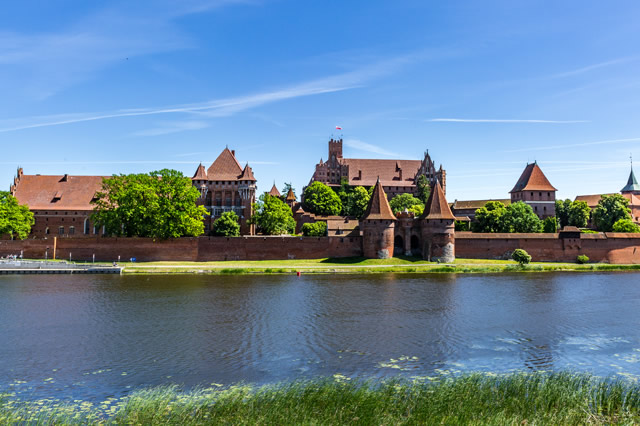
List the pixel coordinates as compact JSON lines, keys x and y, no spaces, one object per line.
{"x":92,"y":337}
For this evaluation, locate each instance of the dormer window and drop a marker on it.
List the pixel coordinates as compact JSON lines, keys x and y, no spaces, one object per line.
{"x":57,"y":197}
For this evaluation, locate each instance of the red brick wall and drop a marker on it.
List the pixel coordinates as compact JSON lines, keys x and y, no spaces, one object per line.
{"x":607,"y":247}
{"x":187,"y":249}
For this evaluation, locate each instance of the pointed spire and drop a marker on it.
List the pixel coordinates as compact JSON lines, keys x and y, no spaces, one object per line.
{"x":378,"y":207}
{"x":201,"y":173}
{"x":274,"y":191}
{"x":632,"y":184}
{"x":437,"y":206}
{"x":247,"y":174}
{"x":290,"y":195}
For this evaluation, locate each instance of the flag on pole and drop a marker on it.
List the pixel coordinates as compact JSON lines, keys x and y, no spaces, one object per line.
{"x":338,"y":128}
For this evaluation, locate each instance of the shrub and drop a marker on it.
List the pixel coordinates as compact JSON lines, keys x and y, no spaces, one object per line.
{"x":582,"y":259}
{"x":226,"y":225}
{"x":318,"y":229}
{"x":625,"y":225}
{"x":521,"y":256}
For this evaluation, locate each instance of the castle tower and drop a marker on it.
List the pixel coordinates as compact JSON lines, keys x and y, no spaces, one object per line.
{"x":437,"y":221}
{"x":632,"y":186}
{"x":534,"y":188}
{"x":377,"y":226}
{"x":290,"y":199}
{"x":335,"y":152}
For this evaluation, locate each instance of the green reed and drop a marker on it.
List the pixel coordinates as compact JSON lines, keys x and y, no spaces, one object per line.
{"x":544,"y":398}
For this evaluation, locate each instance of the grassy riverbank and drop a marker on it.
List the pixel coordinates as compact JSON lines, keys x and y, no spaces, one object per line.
{"x":360,"y":265}
{"x":559,"y":398}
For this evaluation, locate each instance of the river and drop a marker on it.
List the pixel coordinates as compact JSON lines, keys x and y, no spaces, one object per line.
{"x":97,"y":336}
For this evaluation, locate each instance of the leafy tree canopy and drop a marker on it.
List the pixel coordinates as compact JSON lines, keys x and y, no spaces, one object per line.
{"x":489,"y":217}
{"x":15,"y":219}
{"x":318,"y":229}
{"x":625,"y":225}
{"x":562,"y":212}
{"x":272,"y":216}
{"x":610,"y":209}
{"x":226,"y":225}
{"x":519,"y":217}
{"x":424,"y":189}
{"x":578,"y":214}
{"x":321,"y":200}
{"x":355,"y":201}
{"x":406,"y":201}
{"x":550,"y":225}
{"x":161,"y":204}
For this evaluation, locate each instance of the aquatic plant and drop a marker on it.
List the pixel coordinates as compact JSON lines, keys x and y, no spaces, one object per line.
{"x":544,"y":398}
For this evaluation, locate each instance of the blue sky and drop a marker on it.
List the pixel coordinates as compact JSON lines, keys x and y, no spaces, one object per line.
{"x":122,"y":86}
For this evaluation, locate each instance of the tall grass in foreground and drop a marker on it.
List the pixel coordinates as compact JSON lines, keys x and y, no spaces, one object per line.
{"x":474,"y":398}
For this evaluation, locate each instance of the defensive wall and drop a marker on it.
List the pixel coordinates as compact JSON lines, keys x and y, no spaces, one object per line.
{"x":604,"y":247}
{"x":186,"y":249}
{"x":608,"y":247}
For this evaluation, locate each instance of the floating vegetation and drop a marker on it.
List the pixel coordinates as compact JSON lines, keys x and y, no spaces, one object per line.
{"x":519,"y":398}
{"x":404,"y":363}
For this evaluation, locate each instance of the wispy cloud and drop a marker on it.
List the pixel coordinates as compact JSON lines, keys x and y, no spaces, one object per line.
{"x":221,"y":107}
{"x":592,"y":67}
{"x":172,"y":127}
{"x":43,"y":63}
{"x":573,"y":145}
{"x":119,"y":162}
{"x":367,"y":147}
{"x":497,"y":120}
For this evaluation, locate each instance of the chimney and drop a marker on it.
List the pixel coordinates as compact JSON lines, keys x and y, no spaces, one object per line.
{"x":359,"y":174}
{"x":65,"y":178}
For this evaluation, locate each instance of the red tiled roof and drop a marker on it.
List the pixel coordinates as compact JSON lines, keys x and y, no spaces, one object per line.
{"x":290,"y":195}
{"x":56,"y":193}
{"x":532,"y":179}
{"x":247,"y":174}
{"x":592,"y":200}
{"x":226,"y":167}
{"x":383,"y":169}
{"x":201,"y":173}
{"x":379,"y":207}
{"x":437,"y":206}
{"x":476,"y":204}
{"x":274,"y":191}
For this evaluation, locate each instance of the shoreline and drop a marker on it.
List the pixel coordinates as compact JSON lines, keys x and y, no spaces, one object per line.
{"x":364,"y":266}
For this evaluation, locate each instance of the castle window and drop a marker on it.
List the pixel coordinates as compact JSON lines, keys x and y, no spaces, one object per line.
{"x":46,"y":231}
{"x":532,"y":194}
{"x":61,"y":230}
{"x":87,"y":227}
{"x":72,"y":230}
{"x":548,"y":194}
{"x":536,"y":208}
{"x":539,"y":194}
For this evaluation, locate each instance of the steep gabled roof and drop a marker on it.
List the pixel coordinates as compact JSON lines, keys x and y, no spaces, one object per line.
{"x":378,"y":207}
{"x":290,"y":195}
{"x":57,"y":193}
{"x":632,"y":183}
{"x":201,"y":173}
{"x":274,"y":191}
{"x":532,"y":179}
{"x":437,"y":206}
{"x":226,"y":167}
{"x":385,"y":170}
{"x":247,"y":174}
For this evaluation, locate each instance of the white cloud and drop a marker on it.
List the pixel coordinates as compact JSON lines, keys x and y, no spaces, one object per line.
{"x":550,"y":147}
{"x":367,"y":147}
{"x":494,"y":120}
{"x":172,"y":127}
{"x":591,"y":67}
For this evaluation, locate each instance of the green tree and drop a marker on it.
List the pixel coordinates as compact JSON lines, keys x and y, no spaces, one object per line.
{"x":625,"y":225}
{"x":322,"y":200}
{"x":272,"y":216}
{"x":318,"y":229}
{"x":461,"y":225}
{"x":610,"y":209}
{"x":424,"y":189}
{"x":521,"y":256}
{"x":15,"y":219}
{"x":355,"y":202}
{"x":489,"y":217}
{"x":161,"y":204}
{"x":519,"y":217}
{"x":562,"y":212}
{"x":226,"y":225}
{"x":550,"y":225}
{"x":578,"y":214}
{"x":405,"y":201}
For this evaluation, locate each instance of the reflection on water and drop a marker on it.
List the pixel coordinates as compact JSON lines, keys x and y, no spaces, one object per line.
{"x":101,"y":336}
